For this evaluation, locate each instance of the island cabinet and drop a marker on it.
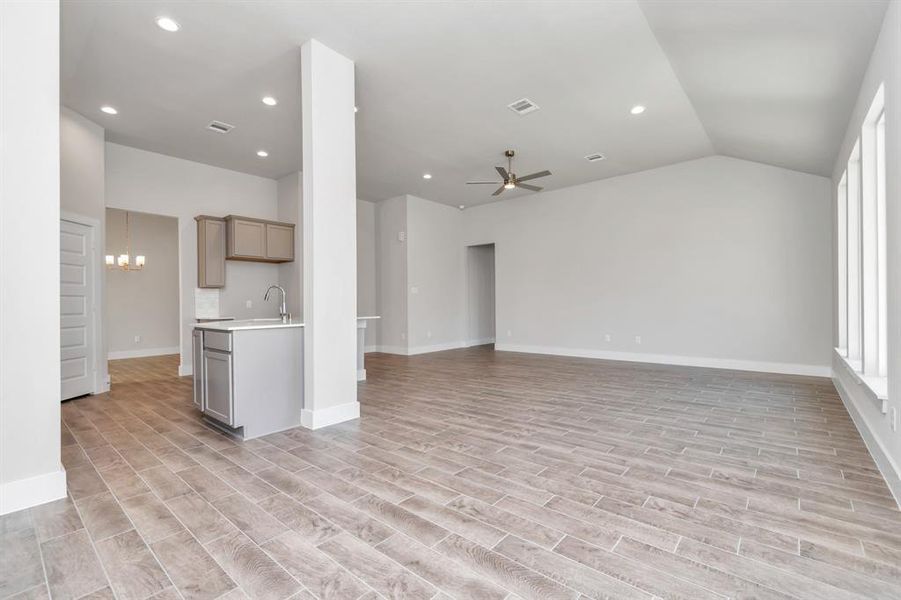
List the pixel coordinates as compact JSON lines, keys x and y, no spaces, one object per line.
{"x":248,"y":376}
{"x":211,"y":248}
{"x":259,"y":240}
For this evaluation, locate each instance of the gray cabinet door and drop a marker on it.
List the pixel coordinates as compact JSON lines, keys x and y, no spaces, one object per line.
{"x":198,"y":368}
{"x":279,"y":242}
{"x":210,"y":252}
{"x":247,"y":239}
{"x":219,"y":391}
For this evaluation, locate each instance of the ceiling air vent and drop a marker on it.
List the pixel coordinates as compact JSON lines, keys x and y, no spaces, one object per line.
{"x":595,"y":157}
{"x":523,"y":106}
{"x":220,"y":127}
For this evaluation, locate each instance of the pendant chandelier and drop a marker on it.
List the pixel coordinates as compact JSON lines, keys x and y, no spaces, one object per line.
{"x":123,"y":261}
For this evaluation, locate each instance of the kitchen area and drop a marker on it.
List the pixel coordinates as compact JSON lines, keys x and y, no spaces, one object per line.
{"x":248,"y":374}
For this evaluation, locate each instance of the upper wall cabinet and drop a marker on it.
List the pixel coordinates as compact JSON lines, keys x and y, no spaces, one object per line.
{"x":259,"y":240}
{"x":210,"y":251}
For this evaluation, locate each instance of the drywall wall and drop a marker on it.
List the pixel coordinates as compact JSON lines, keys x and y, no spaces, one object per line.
{"x":480,"y":295}
{"x":83,"y":195}
{"x":715,"y":261}
{"x":142,"y":304}
{"x":367,"y":302}
{"x":30,"y":470}
{"x":883,"y":441}
{"x":391,"y":266}
{"x":290,"y":210}
{"x":154,"y":183}
{"x":436,"y":281}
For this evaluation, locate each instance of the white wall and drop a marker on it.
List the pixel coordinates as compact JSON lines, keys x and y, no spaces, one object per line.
{"x":436,"y":281}
{"x":716,"y":261}
{"x":82,"y":193}
{"x":391,"y":266}
{"x":143,"y":303}
{"x":875,"y":427}
{"x":30,"y":470}
{"x":367,"y":301}
{"x":159,"y":184}
{"x":480,"y":319}
{"x":290,"y":210}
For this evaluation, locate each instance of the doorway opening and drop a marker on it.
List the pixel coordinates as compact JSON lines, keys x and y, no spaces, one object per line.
{"x":142,"y":296}
{"x":480,"y":273}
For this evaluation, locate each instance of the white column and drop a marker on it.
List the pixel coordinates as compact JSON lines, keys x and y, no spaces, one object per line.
{"x":329,"y":237}
{"x":30,"y":471}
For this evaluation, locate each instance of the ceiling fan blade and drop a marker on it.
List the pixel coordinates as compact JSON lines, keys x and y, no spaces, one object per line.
{"x":484,"y":183}
{"x":526,"y":186}
{"x":534,"y":176}
{"x":499,"y":191}
{"x":503,"y":172}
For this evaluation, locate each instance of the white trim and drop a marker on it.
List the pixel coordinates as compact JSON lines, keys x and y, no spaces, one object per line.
{"x":185,"y":370}
{"x":876,"y":386}
{"x":667,"y":359}
{"x":481,"y":342}
{"x":368,"y":349}
{"x":316,"y":419}
{"x":143,"y":353}
{"x":391,"y":350}
{"x":32,"y":491}
{"x":435,"y":348}
{"x":890,"y":471}
{"x":361,"y":374}
{"x":98,"y":237}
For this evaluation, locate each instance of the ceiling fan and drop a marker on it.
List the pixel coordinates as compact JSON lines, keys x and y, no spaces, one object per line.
{"x":510,"y":180}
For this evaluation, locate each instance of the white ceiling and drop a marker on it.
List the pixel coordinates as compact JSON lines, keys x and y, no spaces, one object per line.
{"x":766,"y":81}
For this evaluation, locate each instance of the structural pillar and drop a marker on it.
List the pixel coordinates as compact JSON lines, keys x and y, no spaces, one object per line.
{"x":329,"y":237}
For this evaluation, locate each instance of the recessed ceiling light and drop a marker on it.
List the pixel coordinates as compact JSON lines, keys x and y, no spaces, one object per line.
{"x":426,"y":175}
{"x":109,"y":110}
{"x":262,"y":153}
{"x":637,"y":109}
{"x":462,"y":206}
{"x":269,"y":101}
{"x":167,"y":24}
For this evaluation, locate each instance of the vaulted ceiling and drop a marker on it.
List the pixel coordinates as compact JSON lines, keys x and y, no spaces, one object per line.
{"x":772,"y":82}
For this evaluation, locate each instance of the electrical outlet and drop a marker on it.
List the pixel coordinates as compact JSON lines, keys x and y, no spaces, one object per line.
{"x":509,"y":333}
{"x":638,"y":339}
{"x":608,"y":337}
{"x":403,"y":336}
{"x":137,"y":339}
{"x":428,"y":334}
{"x":414,"y":289}
{"x":249,"y":304}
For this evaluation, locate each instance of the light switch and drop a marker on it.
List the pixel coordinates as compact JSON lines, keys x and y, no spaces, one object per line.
{"x":249,"y":304}
{"x":414,"y":289}
{"x":401,"y":236}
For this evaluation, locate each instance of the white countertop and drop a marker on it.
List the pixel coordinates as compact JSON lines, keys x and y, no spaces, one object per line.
{"x":274,"y":323}
{"x":248,"y":324}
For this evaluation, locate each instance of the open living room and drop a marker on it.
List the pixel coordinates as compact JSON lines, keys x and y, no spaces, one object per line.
{"x":432,"y":299}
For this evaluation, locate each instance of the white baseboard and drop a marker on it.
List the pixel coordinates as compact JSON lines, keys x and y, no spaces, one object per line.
{"x":315,"y":419}
{"x":361,"y":374}
{"x":368,"y":349}
{"x":32,"y":491}
{"x":480,"y":342}
{"x":392,"y":350}
{"x":185,"y":370}
{"x":142,"y":353}
{"x":668,"y":359}
{"x":435,"y":348}
{"x":891,"y":471}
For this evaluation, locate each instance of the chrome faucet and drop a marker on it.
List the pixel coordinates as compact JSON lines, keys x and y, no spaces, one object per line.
{"x":282,"y":309}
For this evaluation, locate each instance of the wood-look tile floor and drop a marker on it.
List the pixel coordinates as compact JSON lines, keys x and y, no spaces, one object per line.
{"x":471,"y":474}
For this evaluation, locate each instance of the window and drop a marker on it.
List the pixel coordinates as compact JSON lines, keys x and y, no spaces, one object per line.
{"x":861,"y":246}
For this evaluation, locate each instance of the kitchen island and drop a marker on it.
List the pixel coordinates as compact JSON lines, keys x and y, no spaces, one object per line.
{"x":248,"y":375}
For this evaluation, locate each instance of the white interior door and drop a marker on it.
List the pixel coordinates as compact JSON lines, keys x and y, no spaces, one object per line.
{"x":76,"y":307}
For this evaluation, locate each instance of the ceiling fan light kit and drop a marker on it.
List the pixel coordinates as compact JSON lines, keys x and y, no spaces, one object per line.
{"x":510,"y":180}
